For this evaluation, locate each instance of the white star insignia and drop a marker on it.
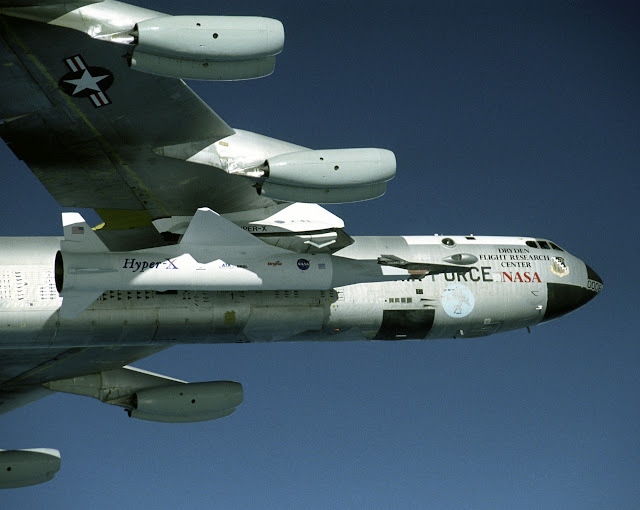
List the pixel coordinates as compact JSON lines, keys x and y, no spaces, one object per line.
{"x":86,"y":82}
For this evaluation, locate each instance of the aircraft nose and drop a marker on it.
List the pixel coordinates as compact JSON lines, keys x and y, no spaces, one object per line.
{"x":594,"y":282}
{"x":564,"y":298}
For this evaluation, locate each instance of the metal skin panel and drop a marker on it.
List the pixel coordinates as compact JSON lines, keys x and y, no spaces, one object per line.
{"x":323,"y":195}
{"x":25,"y":369}
{"x":206,"y":38}
{"x":98,"y":18}
{"x":202,"y":70}
{"x":72,"y":115}
{"x":505,"y":289}
{"x":103,"y":157}
{"x":332,"y":168}
{"x":213,"y":254}
{"x":492,"y":297}
{"x":172,"y":418}
{"x":21,"y":468}
{"x":189,"y":400}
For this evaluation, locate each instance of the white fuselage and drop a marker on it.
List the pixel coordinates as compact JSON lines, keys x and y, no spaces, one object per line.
{"x":512,"y":285}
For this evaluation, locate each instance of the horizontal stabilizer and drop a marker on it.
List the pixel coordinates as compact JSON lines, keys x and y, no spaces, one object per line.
{"x":208,"y":228}
{"x":79,"y":237}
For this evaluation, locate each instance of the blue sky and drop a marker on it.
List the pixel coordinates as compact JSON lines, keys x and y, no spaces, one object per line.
{"x":506,"y":118}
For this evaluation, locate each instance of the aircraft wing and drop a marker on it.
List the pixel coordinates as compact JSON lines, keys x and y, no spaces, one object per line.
{"x":23,"y":371}
{"x":94,"y":139}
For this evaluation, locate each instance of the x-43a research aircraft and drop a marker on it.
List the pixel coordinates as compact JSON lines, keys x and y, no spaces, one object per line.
{"x":237,"y":249}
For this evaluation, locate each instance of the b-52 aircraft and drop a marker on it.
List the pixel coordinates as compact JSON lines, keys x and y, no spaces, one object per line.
{"x":235,"y":250}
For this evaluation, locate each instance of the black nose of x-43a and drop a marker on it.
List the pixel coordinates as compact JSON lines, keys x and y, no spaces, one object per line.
{"x":564,"y":298}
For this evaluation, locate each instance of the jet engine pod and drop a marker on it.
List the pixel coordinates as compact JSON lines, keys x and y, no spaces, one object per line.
{"x":21,"y":468}
{"x":181,"y":403}
{"x":328,"y":176}
{"x":332,"y":168}
{"x":322,"y":195}
{"x":202,"y":70}
{"x":207,"y":47}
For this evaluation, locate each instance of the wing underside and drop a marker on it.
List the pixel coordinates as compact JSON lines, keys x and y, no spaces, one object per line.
{"x":23,"y":371}
{"x":92,"y":129}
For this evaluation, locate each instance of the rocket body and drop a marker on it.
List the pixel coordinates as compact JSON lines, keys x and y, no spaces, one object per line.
{"x":213,"y":255}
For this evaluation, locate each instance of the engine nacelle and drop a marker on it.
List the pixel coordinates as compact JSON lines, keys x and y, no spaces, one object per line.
{"x":322,"y":196}
{"x":181,"y":403}
{"x":332,"y":168}
{"x":328,"y":176}
{"x":219,"y":38}
{"x":207,"y":47}
{"x":202,"y":70}
{"x":21,"y":468}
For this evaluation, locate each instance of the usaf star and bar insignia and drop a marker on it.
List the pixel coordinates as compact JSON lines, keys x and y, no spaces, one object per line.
{"x":86,"y":81}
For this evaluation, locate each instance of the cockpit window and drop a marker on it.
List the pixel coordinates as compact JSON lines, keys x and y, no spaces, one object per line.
{"x":541,"y":243}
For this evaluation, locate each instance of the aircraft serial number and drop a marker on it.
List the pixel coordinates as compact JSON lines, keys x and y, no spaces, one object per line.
{"x":594,"y":285}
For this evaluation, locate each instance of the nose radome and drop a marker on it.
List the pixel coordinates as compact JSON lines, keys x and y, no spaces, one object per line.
{"x":564,"y":298}
{"x":594,"y":282}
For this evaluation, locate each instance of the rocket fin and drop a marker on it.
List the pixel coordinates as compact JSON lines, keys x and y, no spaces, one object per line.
{"x":74,"y":303}
{"x":79,"y":237}
{"x":208,"y":228}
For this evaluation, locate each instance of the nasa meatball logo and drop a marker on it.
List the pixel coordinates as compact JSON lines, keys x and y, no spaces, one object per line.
{"x":303,"y":264}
